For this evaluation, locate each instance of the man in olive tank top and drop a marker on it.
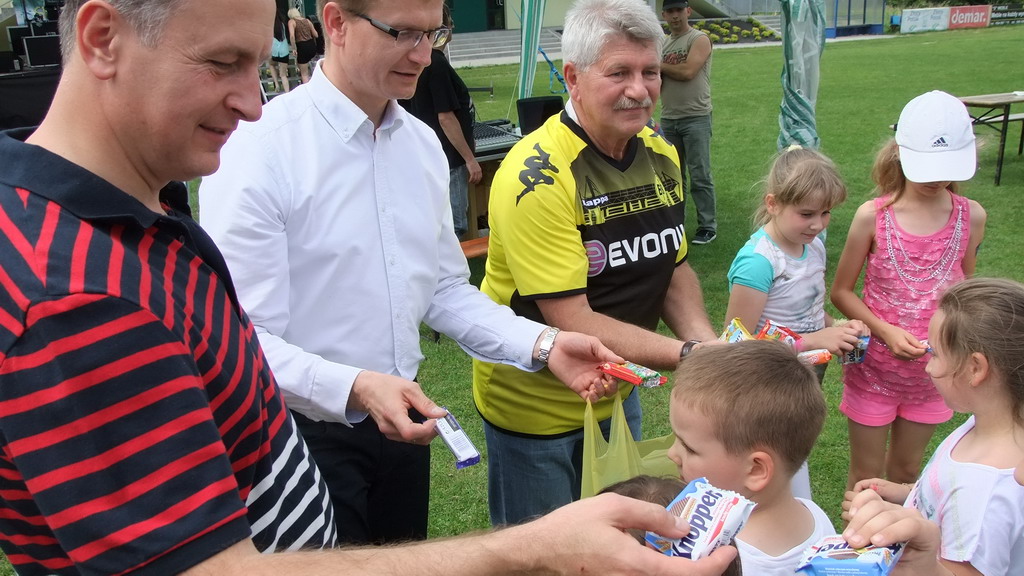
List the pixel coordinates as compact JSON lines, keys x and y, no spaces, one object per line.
{"x":686,"y":109}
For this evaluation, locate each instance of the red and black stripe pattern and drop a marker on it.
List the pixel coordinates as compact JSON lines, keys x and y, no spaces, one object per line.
{"x":140,"y":425}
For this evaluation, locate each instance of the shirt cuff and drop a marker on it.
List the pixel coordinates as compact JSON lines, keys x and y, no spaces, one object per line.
{"x":329,"y":395}
{"x":522,"y":338}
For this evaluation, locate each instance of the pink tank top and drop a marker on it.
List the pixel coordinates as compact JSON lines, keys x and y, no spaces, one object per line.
{"x":905,"y":277}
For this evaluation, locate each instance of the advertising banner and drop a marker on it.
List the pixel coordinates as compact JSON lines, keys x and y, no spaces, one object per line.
{"x":924,"y":20}
{"x":1007,"y":14}
{"x":969,"y":16}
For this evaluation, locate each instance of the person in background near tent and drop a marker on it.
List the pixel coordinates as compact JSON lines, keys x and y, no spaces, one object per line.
{"x":278,"y":63}
{"x":686,"y":109}
{"x":442,"y":101}
{"x":303,"y":37}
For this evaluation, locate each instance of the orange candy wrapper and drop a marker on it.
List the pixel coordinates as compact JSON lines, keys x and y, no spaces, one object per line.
{"x":819,"y":356}
{"x":773,"y":331}
{"x":634,"y":374}
{"x":736,"y":332}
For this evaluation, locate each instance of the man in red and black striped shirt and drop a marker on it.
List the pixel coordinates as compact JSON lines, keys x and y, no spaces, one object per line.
{"x":140,"y":427}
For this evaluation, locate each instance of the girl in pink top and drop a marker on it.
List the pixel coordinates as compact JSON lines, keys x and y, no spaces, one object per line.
{"x":916,"y":238}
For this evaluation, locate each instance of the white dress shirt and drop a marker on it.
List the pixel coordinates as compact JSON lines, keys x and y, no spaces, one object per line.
{"x":339,"y":241}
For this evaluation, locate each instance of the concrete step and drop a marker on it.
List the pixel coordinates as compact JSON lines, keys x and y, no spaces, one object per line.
{"x":499,"y":47}
{"x":770,"y":21}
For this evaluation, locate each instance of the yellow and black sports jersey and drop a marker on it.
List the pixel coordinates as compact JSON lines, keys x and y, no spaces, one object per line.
{"x":565,"y":219}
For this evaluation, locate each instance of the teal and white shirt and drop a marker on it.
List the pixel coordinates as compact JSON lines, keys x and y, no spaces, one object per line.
{"x":795,"y":286}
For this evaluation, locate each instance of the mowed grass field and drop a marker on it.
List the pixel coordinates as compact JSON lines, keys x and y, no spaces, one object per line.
{"x":864,"y":84}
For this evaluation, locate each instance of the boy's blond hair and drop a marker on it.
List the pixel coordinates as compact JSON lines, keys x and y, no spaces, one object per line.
{"x":757,"y":395}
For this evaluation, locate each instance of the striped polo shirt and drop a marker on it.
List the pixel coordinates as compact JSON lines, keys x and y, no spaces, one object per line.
{"x":140,"y":426}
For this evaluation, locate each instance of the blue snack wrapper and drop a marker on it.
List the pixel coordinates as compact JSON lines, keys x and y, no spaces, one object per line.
{"x":856,"y":356}
{"x":833,"y":556}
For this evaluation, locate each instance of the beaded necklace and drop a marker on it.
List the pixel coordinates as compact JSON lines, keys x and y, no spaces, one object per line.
{"x":937,"y":271}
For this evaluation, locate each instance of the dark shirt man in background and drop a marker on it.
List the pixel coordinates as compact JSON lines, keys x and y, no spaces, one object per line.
{"x":442,"y":101}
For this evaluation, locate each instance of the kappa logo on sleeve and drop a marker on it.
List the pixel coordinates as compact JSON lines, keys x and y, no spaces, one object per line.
{"x":533,"y":173}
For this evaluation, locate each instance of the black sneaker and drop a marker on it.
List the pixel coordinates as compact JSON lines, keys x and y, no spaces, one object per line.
{"x":704,"y":237}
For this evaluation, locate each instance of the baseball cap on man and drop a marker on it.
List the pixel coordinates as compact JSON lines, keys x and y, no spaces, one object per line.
{"x":936,"y":139}
{"x":667,"y":4}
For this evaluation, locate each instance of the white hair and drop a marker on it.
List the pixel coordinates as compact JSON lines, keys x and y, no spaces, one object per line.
{"x":591,"y":24}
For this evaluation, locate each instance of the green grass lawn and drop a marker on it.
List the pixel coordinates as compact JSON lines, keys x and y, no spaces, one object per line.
{"x":864,"y":84}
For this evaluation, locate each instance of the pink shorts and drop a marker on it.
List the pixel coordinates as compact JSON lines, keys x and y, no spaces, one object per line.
{"x":869,"y":409}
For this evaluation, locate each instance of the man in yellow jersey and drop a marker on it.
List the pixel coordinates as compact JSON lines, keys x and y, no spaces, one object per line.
{"x":586,"y":217}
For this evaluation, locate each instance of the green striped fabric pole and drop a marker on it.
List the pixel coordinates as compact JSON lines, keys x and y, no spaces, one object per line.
{"x":532,"y":21}
{"x":803,"y":41}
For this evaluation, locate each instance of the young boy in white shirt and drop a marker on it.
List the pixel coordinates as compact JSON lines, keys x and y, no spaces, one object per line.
{"x":746,"y":416}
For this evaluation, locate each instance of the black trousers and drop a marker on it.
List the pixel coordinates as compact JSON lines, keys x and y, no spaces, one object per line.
{"x":380,"y":488}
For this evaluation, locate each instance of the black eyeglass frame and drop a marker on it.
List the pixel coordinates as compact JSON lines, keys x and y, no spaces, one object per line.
{"x":440,"y":35}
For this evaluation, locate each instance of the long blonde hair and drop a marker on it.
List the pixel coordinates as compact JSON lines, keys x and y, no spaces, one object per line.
{"x":800,"y":175}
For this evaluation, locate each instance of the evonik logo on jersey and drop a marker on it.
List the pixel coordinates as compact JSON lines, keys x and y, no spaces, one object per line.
{"x":622,"y":252}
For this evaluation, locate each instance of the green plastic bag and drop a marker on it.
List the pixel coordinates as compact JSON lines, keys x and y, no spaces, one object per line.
{"x":620,"y":457}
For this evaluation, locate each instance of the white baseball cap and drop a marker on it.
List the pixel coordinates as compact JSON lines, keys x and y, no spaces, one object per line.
{"x":936,"y":139}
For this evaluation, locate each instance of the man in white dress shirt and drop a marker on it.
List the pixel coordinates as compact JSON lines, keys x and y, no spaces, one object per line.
{"x":332,"y":213}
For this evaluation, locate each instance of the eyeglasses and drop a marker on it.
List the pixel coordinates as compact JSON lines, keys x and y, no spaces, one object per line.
{"x":409,"y":39}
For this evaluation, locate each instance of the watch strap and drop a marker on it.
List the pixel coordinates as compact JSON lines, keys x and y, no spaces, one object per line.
{"x":687,"y":348}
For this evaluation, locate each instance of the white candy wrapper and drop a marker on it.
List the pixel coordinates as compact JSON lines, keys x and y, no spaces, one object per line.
{"x":457,"y":441}
{"x":715,"y":517}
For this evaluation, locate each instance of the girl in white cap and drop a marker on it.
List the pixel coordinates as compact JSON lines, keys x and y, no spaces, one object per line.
{"x":915,"y":239}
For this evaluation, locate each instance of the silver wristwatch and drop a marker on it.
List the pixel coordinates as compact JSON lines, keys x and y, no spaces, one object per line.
{"x":546,"y":344}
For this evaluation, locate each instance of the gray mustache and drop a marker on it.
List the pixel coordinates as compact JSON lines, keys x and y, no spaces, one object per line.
{"x":627,"y":103}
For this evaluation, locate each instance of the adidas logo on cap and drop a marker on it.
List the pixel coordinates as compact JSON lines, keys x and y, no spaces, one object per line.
{"x":940,"y":143}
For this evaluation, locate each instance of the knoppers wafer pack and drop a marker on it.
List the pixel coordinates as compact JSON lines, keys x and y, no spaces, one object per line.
{"x":715,"y":517}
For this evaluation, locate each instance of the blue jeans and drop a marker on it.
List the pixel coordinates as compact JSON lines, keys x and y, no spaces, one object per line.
{"x":529,"y":477}
{"x":458,"y":190}
{"x":692,"y":139}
